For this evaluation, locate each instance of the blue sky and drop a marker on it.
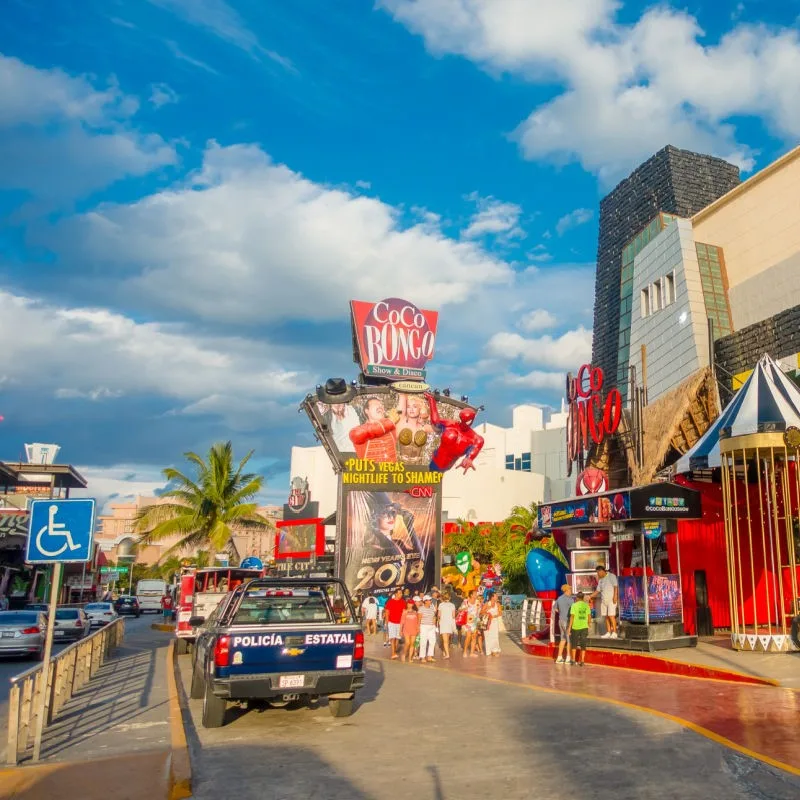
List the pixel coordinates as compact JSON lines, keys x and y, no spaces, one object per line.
{"x":192,"y":190}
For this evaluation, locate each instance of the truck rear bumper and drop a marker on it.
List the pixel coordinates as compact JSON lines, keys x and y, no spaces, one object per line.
{"x":255,"y":687}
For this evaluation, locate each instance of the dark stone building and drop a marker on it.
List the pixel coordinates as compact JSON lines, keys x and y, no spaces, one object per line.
{"x":738,"y":353}
{"x":672,"y":181}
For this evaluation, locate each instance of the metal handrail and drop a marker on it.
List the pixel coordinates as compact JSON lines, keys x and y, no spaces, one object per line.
{"x":69,"y":671}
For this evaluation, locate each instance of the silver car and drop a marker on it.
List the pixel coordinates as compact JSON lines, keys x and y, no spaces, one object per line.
{"x":100,"y":614}
{"x":22,"y":633}
{"x":71,"y":624}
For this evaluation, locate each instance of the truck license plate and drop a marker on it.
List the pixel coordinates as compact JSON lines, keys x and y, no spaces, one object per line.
{"x":291,"y":681}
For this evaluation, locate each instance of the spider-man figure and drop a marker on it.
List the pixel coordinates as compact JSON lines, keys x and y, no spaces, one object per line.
{"x":458,"y":439}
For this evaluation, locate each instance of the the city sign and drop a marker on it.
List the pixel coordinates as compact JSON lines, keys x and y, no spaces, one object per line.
{"x":393,"y":339}
{"x":113,"y":570}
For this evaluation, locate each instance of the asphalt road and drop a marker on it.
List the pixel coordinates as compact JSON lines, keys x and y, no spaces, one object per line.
{"x":422,"y":733}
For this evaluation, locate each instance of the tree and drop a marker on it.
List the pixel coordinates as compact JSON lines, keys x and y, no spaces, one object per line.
{"x":524,"y":517}
{"x":204,"y":508}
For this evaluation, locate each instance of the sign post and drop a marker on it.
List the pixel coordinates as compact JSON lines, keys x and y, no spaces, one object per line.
{"x":60,"y":532}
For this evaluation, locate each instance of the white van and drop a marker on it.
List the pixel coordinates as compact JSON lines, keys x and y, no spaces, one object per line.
{"x":149,"y":593}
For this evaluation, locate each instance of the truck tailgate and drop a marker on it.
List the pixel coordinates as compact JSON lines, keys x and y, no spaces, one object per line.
{"x":291,"y":650}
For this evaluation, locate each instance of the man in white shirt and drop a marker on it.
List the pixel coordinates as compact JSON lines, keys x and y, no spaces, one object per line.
{"x":608,"y":592}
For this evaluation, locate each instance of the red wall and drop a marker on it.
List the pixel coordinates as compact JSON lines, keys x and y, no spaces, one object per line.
{"x":702,"y":547}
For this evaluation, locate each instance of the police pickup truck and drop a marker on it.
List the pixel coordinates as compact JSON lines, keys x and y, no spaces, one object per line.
{"x":282,"y":640}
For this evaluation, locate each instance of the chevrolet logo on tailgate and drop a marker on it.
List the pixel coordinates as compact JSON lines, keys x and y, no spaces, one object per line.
{"x":293,"y":651}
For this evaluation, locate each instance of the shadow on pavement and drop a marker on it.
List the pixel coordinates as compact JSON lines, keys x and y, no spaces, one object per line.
{"x":119,"y":693}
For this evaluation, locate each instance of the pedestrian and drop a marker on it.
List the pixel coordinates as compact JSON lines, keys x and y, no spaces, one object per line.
{"x":166,"y":607}
{"x":3,"y":603}
{"x":579,"y":616}
{"x":427,"y":630}
{"x":447,"y":622}
{"x":608,"y":592}
{"x":471,"y":625}
{"x":436,"y":597}
{"x":492,"y":612}
{"x":393,"y":613}
{"x":561,"y":608}
{"x":409,"y":627}
{"x":371,"y":615}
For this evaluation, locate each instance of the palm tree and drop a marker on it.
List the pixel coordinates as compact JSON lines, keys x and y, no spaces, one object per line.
{"x":524,"y":517}
{"x":204,"y":509}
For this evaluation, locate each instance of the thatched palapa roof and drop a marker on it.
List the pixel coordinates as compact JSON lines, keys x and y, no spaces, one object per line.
{"x":674,"y":423}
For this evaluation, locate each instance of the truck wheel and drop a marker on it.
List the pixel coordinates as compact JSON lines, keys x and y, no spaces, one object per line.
{"x":213,"y":709}
{"x":182,"y":647}
{"x":340,"y":708}
{"x":198,"y":684}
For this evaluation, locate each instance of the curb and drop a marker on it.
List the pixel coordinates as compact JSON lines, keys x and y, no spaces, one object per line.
{"x":180,"y":767}
{"x":651,"y":664}
{"x":160,"y":626}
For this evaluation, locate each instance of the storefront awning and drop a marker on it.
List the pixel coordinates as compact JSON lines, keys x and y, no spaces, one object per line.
{"x":656,"y":501}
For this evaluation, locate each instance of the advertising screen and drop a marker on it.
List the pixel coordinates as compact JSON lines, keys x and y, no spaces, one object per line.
{"x":664,"y":598}
{"x":584,"y":560}
{"x":390,"y":542}
{"x":297,"y":539}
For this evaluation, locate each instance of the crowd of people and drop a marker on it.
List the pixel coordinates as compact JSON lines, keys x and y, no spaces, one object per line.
{"x":416,"y":627}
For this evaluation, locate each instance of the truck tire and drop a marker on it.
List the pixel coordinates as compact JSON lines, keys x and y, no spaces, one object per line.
{"x":340,"y":708}
{"x":213,"y":708}
{"x":182,"y":647}
{"x":198,"y":684}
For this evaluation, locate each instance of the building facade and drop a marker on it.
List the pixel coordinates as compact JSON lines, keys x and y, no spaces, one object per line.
{"x":519,"y":465}
{"x":117,"y":537}
{"x":726,"y":279}
{"x":673,"y":181}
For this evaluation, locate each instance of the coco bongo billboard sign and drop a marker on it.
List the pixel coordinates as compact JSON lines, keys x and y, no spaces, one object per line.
{"x":392,"y":338}
{"x":592,"y":417}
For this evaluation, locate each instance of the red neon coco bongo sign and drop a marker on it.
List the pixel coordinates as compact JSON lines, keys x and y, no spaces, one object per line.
{"x":591,"y":418}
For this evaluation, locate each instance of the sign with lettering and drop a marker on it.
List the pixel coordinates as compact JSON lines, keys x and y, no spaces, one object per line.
{"x":592,"y":416}
{"x":393,"y":339}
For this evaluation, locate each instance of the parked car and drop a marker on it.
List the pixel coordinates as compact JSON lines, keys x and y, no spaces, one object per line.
{"x":127,"y":604}
{"x":37,"y":607}
{"x":100,"y":614}
{"x":71,"y":624}
{"x":22,"y":633}
{"x":282,"y":640}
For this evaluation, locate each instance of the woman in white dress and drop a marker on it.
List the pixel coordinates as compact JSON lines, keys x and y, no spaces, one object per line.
{"x":492,"y":611}
{"x":447,"y":622}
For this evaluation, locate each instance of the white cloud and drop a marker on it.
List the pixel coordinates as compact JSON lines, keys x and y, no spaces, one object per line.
{"x":219,"y":18}
{"x":161,"y":95}
{"x":539,"y":319}
{"x":641,"y":85}
{"x":494,"y":218}
{"x":363,"y":185}
{"x":60,"y":137}
{"x":580,"y":216}
{"x":282,"y":246}
{"x":122,"y":483}
{"x":562,"y":352}
{"x":537,"y":379}
{"x":101,"y":355}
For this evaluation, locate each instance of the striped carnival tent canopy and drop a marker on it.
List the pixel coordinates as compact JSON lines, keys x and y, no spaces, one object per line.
{"x":769,"y":401}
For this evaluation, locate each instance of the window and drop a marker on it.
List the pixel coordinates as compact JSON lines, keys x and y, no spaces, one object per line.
{"x":645,"y":302}
{"x":509,"y":462}
{"x":526,"y":462}
{"x":518,"y":464}
{"x":275,"y":608}
{"x":669,"y":289}
{"x":655,"y":296}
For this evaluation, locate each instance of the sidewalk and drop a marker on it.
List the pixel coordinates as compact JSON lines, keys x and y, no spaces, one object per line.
{"x":759,"y":721}
{"x":113,"y":737}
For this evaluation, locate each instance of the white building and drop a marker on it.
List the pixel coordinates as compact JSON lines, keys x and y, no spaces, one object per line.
{"x":519,"y":465}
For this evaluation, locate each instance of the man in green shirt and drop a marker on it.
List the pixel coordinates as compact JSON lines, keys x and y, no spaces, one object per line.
{"x":579,"y":616}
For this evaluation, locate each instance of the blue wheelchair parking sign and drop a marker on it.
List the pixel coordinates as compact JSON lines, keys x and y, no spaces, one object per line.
{"x":60,"y":530}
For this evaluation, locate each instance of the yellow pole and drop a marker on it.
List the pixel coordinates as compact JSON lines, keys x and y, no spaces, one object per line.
{"x":48,"y":647}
